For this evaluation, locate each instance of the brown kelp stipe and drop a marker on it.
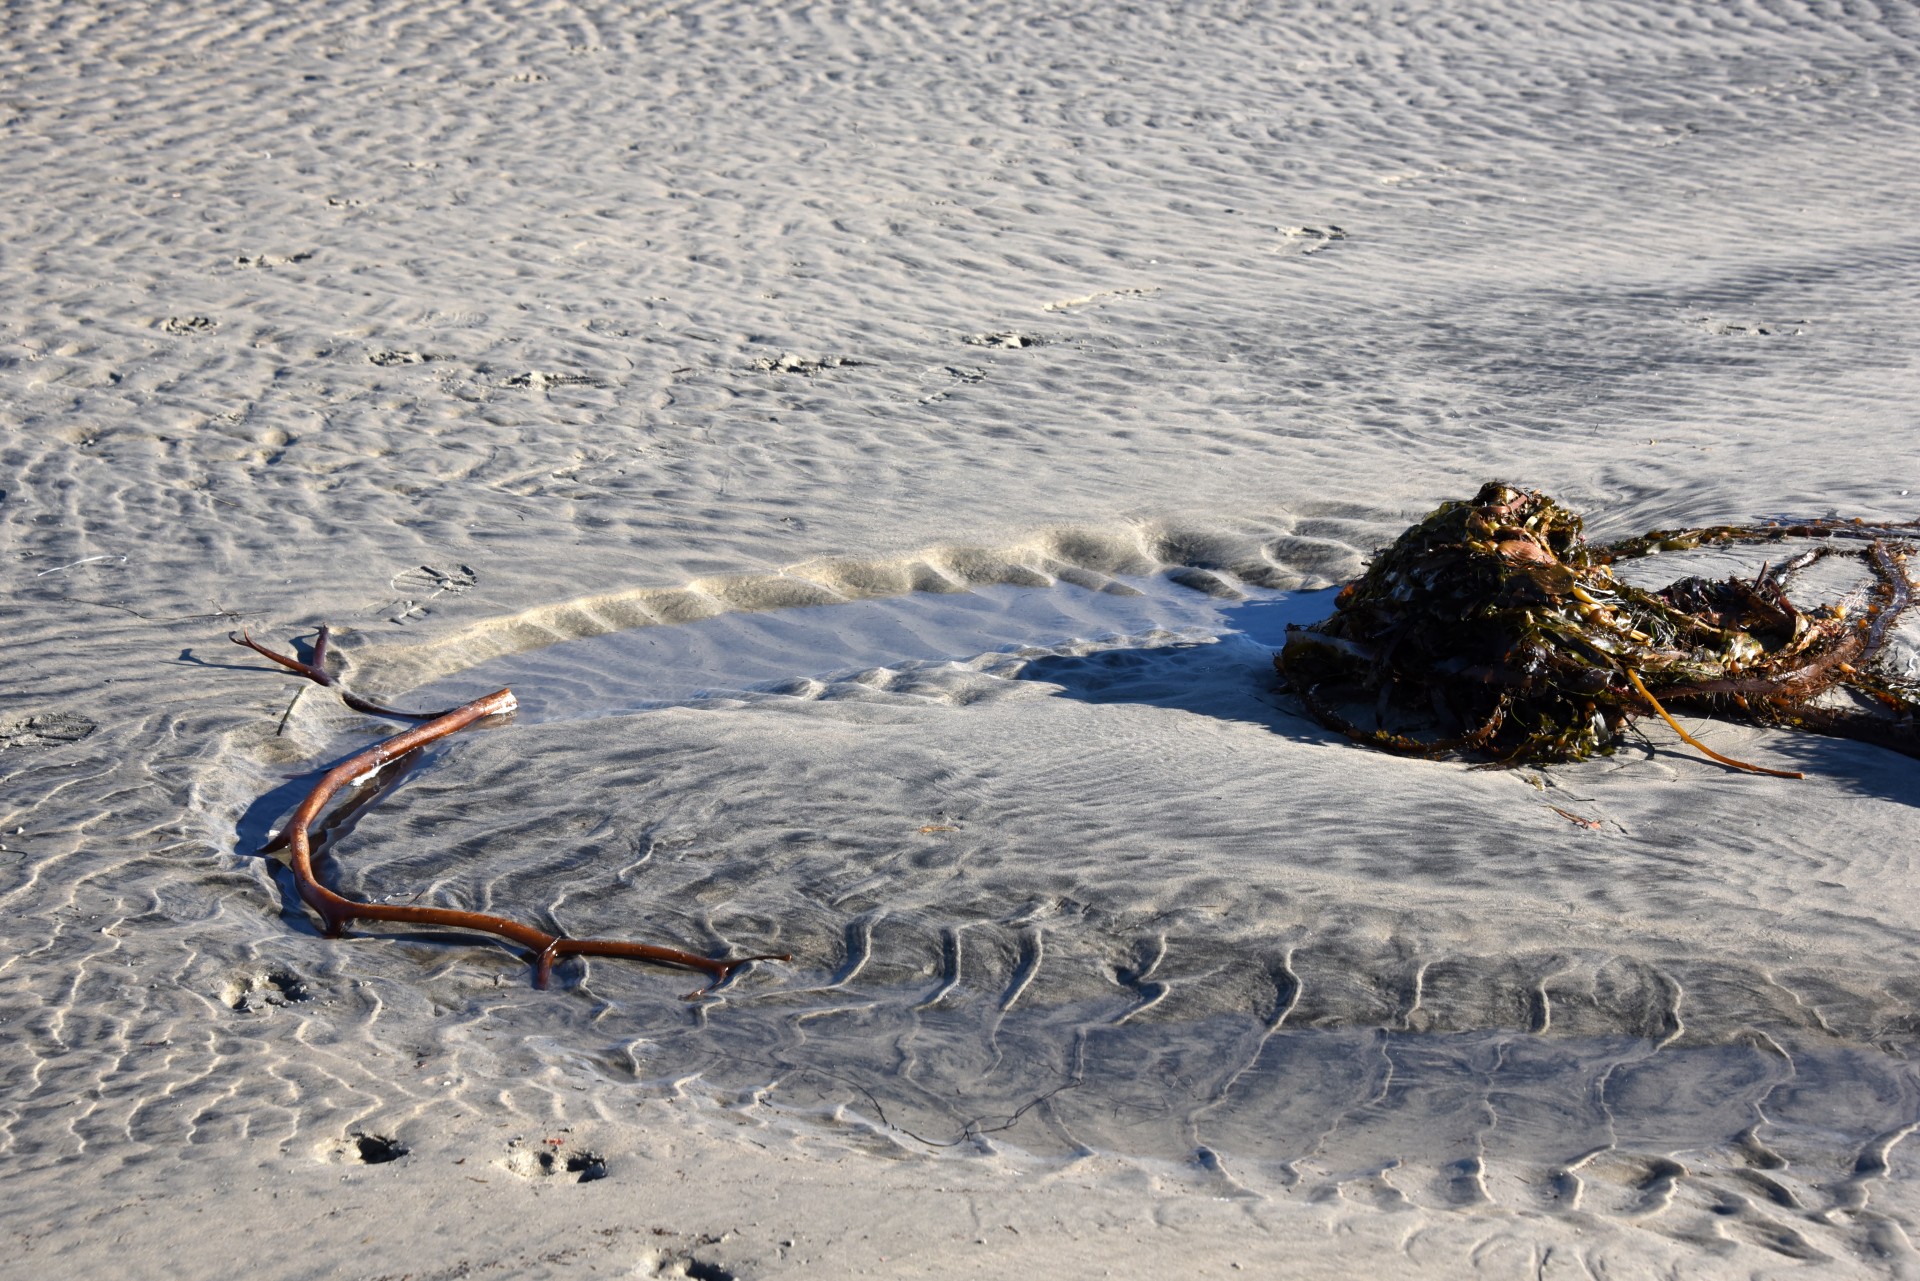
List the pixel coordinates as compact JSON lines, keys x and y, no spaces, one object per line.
{"x":1633,"y":678}
{"x":1492,"y":628}
{"x":337,"y":912}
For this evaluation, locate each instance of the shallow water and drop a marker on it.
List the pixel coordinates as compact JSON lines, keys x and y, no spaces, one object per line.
{"x":1266,"y":998}
{"x":794,"y":651}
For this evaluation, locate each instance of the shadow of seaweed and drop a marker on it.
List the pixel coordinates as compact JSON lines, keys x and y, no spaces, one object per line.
{"x":1861,"y":768}
{"x":1230,"y":677}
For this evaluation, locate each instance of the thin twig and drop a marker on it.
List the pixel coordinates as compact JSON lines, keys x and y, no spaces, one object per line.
{"x":1592,"y":824}
{"x":284,"y":716}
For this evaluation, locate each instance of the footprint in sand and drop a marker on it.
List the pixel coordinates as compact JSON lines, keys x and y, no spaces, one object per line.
{"x":255,"y":993}
{"x":362,"y":1148}
{"x":554,"y":1158}
{"x":186,"y":326}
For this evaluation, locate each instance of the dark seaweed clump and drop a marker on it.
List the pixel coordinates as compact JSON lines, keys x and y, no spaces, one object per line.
{"x":1492,"y":629}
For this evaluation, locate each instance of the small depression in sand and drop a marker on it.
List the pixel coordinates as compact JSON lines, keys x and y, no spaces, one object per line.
{"x":1061,"y":874}
{"x":806,"y":651}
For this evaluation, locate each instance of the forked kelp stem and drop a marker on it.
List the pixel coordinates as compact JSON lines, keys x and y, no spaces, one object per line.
{"x":337,"y":911}
{"x":315,"y":670}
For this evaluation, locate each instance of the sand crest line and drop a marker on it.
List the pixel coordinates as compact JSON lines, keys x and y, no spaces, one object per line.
{"x":1291,"y":553}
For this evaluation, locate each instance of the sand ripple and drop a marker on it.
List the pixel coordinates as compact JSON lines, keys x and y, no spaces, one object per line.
{"x":487,"y":331}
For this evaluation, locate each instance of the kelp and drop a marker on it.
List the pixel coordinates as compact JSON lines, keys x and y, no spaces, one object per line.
{"x":1492,"y":629}
{"x":311,"y":823}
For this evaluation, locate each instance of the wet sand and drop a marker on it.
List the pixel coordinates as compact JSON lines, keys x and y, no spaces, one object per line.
{"x":882,"y":447}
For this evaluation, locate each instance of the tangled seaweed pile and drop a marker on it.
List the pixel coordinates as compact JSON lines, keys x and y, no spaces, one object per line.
{"x":1493,"y":629}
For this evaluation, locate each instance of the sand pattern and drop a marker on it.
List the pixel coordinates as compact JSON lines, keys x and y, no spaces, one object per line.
{"x":1055,"y":346}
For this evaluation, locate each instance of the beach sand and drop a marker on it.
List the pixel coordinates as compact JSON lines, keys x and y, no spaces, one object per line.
{"x":882,"y":445}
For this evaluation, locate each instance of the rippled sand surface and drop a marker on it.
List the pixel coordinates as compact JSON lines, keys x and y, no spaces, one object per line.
{"x":882,"y":446}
